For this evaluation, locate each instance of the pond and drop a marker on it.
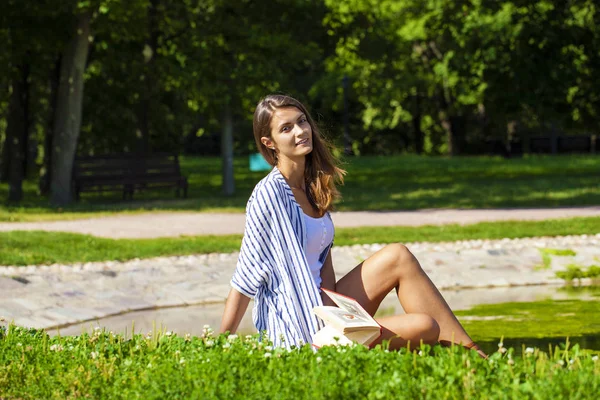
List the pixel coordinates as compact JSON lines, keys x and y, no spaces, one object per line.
{"x":191,"y":319}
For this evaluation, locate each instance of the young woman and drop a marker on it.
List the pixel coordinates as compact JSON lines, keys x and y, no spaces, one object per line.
{"x":285,"y":258}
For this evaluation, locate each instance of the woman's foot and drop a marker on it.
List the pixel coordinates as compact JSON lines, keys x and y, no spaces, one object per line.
{"x":470,"y":346}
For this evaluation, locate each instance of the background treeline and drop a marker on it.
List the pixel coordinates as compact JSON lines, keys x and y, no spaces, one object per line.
{"x":422,"y":76}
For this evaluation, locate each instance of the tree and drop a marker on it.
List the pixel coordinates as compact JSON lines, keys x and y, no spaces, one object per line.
{"x":69,"y":107}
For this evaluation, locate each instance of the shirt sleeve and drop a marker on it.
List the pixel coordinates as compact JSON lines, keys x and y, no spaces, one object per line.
{"x":254,"y":261}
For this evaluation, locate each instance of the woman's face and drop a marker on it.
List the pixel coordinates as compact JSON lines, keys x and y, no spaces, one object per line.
{"x":291,"y":134}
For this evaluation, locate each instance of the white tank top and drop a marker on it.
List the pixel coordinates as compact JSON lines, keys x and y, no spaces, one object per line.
{"x":319,"y":234}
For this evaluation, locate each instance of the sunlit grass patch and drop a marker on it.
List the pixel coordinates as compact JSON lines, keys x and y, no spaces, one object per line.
{"x":38,"y":247}
{"x":543,"y":319}
{"x":405,"y":182}
{"x":164,"y":365}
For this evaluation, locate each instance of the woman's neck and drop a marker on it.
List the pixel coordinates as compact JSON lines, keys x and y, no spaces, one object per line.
{"x":293,"y":172}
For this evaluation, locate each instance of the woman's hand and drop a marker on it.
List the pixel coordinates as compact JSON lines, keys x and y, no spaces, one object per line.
{"x":235,"y":308}
{"x":327,"y":280}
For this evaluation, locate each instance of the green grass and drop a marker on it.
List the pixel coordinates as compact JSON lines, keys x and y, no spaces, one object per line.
{"x":542,"y":319}
{"x":548,"y":253}
{"x":578,"y":272}
{"x":27,"y":248}
{"x":103,"y":365}
{"x":372,"y":183}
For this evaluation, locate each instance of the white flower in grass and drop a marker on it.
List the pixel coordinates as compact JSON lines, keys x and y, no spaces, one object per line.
{"x":226,"y":345}
{"x":268,"y":348}
{"x":168,"y":333}
{"x":511,"y":362}
{"x":561,"y":362}
{"x":56,"y":347}
{"x":267,"y":355}
{"x":595,"y":358}
{"x":182,"y":360}
{"x":529,"y":350}
{"x":206,"y":326}
{"x":19,"y":345}
{"x":188,"y":337}
{"x":149,"y":365}
{"x":319,"y":359}
{"x":500,"y":344}
{"x":571,"y":361}
{"x":232,"y":338}
{"x":148,"y":337}
{"x":94,"y":355}
{"x":209,"y":343}
{"x":502,"y":350}
{"x":420,"y":352}
{"x":177,"y":352}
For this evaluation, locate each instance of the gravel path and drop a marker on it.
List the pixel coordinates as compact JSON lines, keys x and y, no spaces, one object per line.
{"x":157,"y":224}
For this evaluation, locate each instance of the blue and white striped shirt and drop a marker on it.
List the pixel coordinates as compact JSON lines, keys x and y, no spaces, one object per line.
{"x":272,"y":266}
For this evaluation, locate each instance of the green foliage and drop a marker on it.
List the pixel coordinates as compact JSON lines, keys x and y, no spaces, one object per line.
{"x":578,"y":272}
{"x":27,"y":248}
{"x":159,"y":365}
{"x":548,"y":253}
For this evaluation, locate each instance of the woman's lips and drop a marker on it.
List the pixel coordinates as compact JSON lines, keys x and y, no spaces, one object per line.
{"x":303,"y":141}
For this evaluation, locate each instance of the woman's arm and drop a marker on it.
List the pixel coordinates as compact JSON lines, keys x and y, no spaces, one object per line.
{"x":235,"y":308}
{"x":327,"y":280}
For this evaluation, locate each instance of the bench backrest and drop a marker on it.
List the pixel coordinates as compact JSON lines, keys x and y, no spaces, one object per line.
{"x":574,"y":144}
{"x":129,"y":165}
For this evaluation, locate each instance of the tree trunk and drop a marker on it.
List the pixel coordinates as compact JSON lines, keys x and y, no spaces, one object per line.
{"x":29,"y":142}
{"x":46,"y":174}
{"x":148,"y":88}
{"x":4,"y":160}
{"x":416,"y":123}
{"x":227,"y":150}
{"x":454,"y":125}
{"x":68,"y":112}
{"x":16,"y":134}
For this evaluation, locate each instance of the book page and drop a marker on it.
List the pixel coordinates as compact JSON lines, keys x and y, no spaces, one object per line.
{"x":329,"y":336}
{"x":344,"y":320}
{"x":351,"y":305}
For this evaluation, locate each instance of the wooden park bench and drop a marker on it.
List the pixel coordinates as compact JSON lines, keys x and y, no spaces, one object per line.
{"x":561,"y":144}
{"x":127,"y":173}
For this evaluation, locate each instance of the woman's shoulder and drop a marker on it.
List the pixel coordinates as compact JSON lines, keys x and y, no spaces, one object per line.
{"x":271,"y":186}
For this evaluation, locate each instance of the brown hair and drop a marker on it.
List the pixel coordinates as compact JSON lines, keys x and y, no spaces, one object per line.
{"x":321,"y":171}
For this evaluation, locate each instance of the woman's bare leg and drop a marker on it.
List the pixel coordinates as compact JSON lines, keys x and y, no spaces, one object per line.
{"x":395,"y":267}
{"x":408,"y":330}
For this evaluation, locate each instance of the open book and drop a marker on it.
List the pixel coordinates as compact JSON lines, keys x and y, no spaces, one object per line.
{"x":344,"y":325}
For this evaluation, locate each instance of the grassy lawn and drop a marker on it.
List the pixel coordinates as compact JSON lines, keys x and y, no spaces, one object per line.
{"x":27,"y":248}
{"x":373,"y":183}
{"x":162,"y":365}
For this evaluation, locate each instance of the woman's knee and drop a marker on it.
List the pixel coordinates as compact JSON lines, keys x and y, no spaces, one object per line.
{"x":400,"y":257}
{"x":426,"y":328}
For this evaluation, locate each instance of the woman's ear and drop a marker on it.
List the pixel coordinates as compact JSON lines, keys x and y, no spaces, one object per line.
{"x":268,"y":143}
